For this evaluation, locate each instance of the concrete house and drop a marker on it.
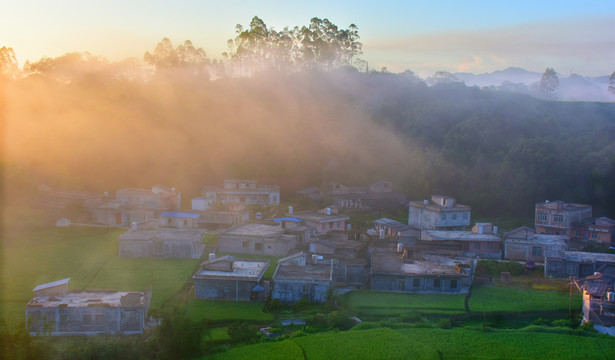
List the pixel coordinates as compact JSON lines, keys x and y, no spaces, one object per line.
{"x":179,"y":220}
{"x":55,"y":311}
{"x":162,"y":243}
{"x":441,"y":213}
{"x":349,"y":258}
{"x":376,"y":196}
{"x":159,"y":198}
{"x":227,"y":278}
{"x":394,"y":272}
{"x":257,"y":239}
{"x":112,"y":213}
{"x":323,"y":222}
{"x":558,"y":217}
{"x":295,"y":279}
{"x":394,"y":230}
{"x":597,"y":230}
{"x":577,"y":263}
{"x":247,"y":192}
{"x":524,"y":244}
{"x":482,"y":242}
{"x":599,"y":300}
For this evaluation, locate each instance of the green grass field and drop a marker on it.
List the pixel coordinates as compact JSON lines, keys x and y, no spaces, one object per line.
{"x":89,"y":256}
{"x":228,"y":311}
{"x":386,"y":343}
{"x":492,"y":299}
{"x":375,"y":305}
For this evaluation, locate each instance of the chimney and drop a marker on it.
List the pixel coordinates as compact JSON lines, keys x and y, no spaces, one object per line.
{"x":212,"y":256}
{"x":328,"y":211}
{"x":290,"y":210}
{"x":495,"y":230}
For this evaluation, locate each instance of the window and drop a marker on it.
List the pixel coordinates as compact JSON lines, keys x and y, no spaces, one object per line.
{"x":594,"y":235}
{"x":416,"y":283}
{"x":330,"y":225}
{"x":571,"y":269}
{"x":577,"y":233}
{"x":536,"y":251}
{"x":169,"y":221}
{"x":306,"y":289}
{"x":542,"y":216}
{"x":454,"y":216}
{"x":443,"y":217}
{"x":258,"y":246}
{"x":465,"y":216}
{"x":400,"y":284}
{"x":185,"y":222}
{"x":477,"y":246}
{"x":453,"y":284}
{"x":244,"y":243}
{"x":226,"y":288}
{"x":490,"y":246}
{"x":436,"y":283}
{"x":158,"y":247}
{"x":100,"y":319}
{"x":558,"y":218}
{"x":87,"y":319}
{"x":547,"y":231}
{"x":63,"y":318}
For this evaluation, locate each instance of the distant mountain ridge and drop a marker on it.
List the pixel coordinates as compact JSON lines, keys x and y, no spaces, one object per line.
{"x":573,"y":87}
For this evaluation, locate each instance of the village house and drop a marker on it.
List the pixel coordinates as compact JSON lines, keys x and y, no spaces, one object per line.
{"x":558,"y":217}
{"x":599,"y":300}
{"x":394,"y":230}
{"x":162,"y":243}
{"x":441,"y":213}
{"x":257,"y":239}
{"x":159,"y":198}
{"x":483,"y":242}
{"x":55,"y":311}
{"x":349,"y":257}
{"x":135,"y":205}
{"x":179,"y":220}
{"x":246,"y":192}
{"x":524,"y":244}
{"x":392,"y":271}
{"x":294,"y":226}
{"x":577,"y":263}
{"x":323,"y":221}
{"x":313,"y":193}
{"x":73,"y":204}
{"x":295,"y":279}
{"x":112,"y":213}
{"x":376,"y":196}
{"x":597,"y":230}
{"x":227,"y":278}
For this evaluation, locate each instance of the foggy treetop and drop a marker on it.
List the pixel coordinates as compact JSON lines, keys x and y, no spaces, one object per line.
{"x":80,"y":122}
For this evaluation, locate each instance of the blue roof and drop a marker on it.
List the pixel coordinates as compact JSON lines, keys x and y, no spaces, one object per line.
{"x":257,"y":288}
{"x":288,"y":218}
{"x":180,"y":214}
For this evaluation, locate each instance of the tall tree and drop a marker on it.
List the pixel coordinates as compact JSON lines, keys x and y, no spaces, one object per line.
{"x":549,"y":83}
{"x":8,"y":62}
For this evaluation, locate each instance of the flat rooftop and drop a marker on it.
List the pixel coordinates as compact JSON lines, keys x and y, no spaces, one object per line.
{"x":588,"y":256}
{"x":436,"y":235}
{"x":320,"y":217}
{"x":392,"y":263}
{"x":255,"y":230}
{"x":83,"y":299}
{"x":245,"y":269}
{"x":320,"y":272}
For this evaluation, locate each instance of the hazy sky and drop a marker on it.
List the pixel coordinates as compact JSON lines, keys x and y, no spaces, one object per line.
{"x":472,"y":36}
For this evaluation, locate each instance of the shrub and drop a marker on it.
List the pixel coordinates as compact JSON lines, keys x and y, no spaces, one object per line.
{"x":241,"y":332}
{"x":540,"y":321}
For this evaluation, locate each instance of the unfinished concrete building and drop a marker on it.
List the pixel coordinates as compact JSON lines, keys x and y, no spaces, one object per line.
{"x":227,"y":278}
{"x":55,"y":311}
{"x":295,"y":279}
{"x":441,"y":213}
